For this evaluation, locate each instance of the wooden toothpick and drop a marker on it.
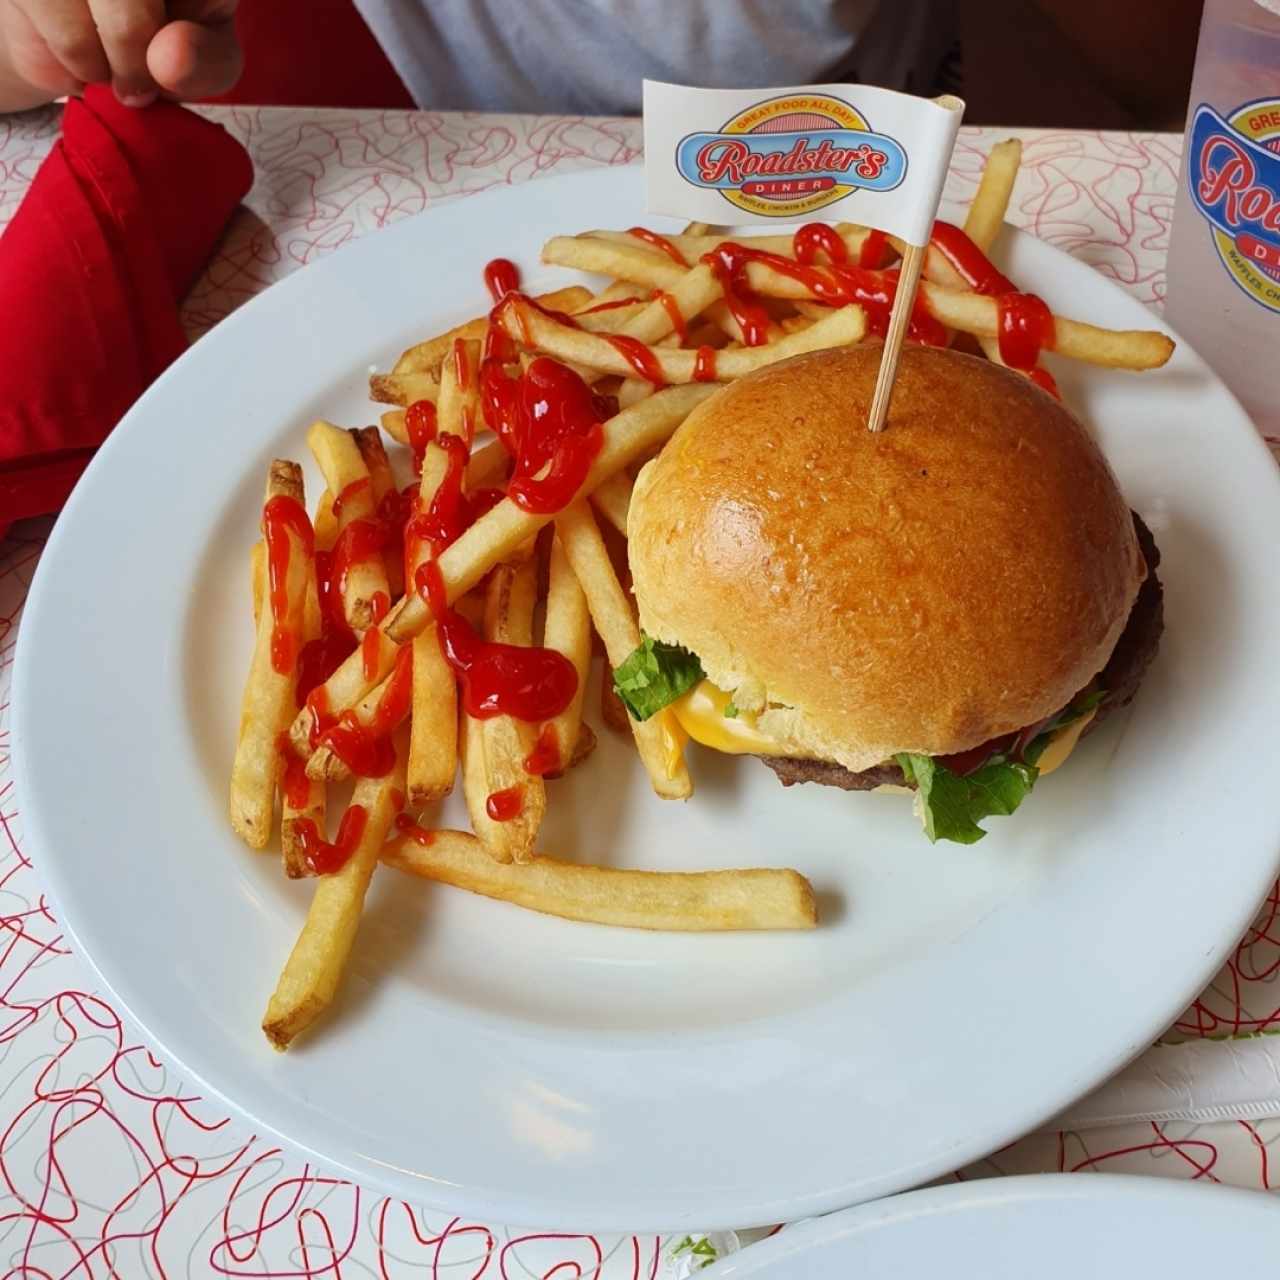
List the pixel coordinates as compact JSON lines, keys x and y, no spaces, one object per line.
{"x":899,"y":319}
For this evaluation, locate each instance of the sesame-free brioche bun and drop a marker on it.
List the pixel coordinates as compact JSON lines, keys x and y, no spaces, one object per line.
{"x":961,"y":574}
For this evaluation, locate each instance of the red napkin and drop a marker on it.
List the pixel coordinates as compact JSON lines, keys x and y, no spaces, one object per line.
{"x":118,"y":222}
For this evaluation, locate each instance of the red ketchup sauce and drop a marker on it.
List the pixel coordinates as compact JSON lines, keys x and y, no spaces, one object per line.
{"x":529,"y":683}
{"x":674,"y":314}
{"x":282,"y":516}
{"x":547,"y":417}
{"x":407,"y":827}
{"x":545,"y":756}
{"x":655,"y":241}
{"x":324,"y":858}
{"x":501,"y":277}
{"x":1045,"y":381}
{"x":874,"y":249}
{"x":366,"y":749}
{"x":1024,"y":325}
{"x":704,"y":365}
{"x":638,"y":356}
{"x":503,"y":806}
{"x":355,"y":487}
{"x":294,"y":784}
{"x":818,"y":237}
{"x":420,"y":426}
{"x":610,"y":306}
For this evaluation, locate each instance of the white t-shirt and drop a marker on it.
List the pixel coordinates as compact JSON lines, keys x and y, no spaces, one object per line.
{"x":590,"y":56}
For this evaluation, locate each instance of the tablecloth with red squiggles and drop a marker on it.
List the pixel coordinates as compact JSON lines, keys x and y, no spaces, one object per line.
{"x":112,"y":1165}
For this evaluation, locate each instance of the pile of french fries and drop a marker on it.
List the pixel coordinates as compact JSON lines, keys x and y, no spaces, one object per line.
{"x":523,"y":579}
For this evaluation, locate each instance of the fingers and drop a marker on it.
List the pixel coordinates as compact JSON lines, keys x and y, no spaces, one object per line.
{"x":194,"y":59}
{"x":65,"y":28}
{"x":125,"y":29}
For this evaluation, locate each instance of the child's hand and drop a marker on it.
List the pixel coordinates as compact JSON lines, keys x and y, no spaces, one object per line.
{"x":48,"y":48}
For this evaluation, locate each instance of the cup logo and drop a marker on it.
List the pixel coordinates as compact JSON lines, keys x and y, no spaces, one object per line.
{"x":1233,"y":171}
{"x":787,"y":156}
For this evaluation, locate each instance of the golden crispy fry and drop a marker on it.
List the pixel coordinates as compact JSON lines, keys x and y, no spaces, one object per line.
{"x":612,"y":320}
{"x":629,"y":436}
{"x":258,"y":578}
{"x":567,"y":629}
{"x":366,"y":594}
{"x":658,"y":739}
{"x":393,"y":424}
{"x":506,"y":741}
{"x":325,"y":522}
{"x":613,"y":500}
{"x":613,"y":711}
{"x":458,"y":408}
{"x":668,"y":900}
{"x":475,"y":786}
{"x":487,"y":467}
{"x":986,"y":214}
{"x":268,"y":703}
{"x":403,"y":389}
{"x":369,"y":442}
{"x":311,"y":975}
{"x":427,"y":357}
{"x":526,"y":324}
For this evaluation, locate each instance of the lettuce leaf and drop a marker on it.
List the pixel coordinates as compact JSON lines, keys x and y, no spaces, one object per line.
{"x":1082,"y":705}
{"x":655,"y":675}
{"x":952,"y":806}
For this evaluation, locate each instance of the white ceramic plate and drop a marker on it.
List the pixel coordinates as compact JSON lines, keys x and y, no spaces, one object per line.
{"x":1052,"y":1226}
{"x":525,"y":1069}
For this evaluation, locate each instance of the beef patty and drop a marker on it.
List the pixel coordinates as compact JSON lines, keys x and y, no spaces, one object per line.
{"x":1120,"y":677}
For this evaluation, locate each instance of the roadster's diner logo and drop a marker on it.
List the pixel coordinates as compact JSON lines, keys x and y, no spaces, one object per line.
{"x":1233,"y":171}
{"x":787,"y":156}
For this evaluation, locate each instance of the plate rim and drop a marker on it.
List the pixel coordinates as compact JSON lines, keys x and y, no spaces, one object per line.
{"x":416,"y":1185}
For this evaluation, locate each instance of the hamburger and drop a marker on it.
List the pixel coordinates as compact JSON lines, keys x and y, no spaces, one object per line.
{"x":947,"y":606}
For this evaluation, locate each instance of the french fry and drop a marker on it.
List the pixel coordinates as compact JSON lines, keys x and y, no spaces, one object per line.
{"x":613,"y":500}
{"x":426,"y":357}
{"x":487,"y":465}
{"x":613,"y":711}
{"x":506,"y":741}
{"x":986,"y":213}
{"x":403,"y":389}
{"x":366,"y":593}
{"x":526,"y":324}
{"x":475,"y":785}
{"x":369,"y":442}
{"x":567,"y":629}
{"x":325,"y":522}
{"x":433,"y":739}
{"x":269,"y":695}
{"x":394,"y":425}
{"x":629,"y":435}
{"x":311,"y":975}
{"x":258,"y":579}
{"x":685,"y":901}
{"x":658,"y":739}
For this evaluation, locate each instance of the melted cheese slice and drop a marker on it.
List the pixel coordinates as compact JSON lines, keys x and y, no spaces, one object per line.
{"x":700,"y":713}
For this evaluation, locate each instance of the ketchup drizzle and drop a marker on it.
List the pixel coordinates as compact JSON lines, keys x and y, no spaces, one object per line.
{"x":1045,"y":381}
{"x":874,"y":249}
{"x":282,"y":516}
{"x":818,"y":237}
{"x":420,"y":425}
{"x":1024,"y":325}
{"x":638,"y":356}
{"x":503,"y":806}
{"x":655,"y":241}
{"x":704,"y":365}
{"x":501,"y":277}
{"x":545,"y":756}
{"x":674,"y":314}
{"x":529,"y":683}
{"x":324,"y":858}
{"x":356,"y":486}
{"x":366,"y":749}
